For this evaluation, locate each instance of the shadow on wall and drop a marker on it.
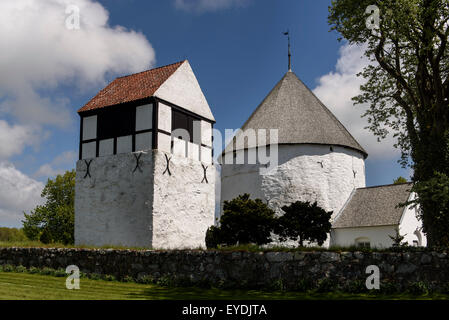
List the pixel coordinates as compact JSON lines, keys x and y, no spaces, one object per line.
{"x":217,"y":191}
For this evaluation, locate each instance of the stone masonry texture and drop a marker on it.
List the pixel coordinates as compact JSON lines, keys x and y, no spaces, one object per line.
{"x":241,"y":269}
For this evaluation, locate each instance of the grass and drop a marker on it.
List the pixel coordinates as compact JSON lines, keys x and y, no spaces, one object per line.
{"x":241,"y":248}
{"x":24,"y":286}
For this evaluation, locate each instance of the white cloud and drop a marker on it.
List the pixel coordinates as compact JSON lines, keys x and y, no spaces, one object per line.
{"x":209,"y":5}
{"x":336,"y":89}
{"x":18,"y":193}
{"x":63,"y":162}
{"x":14,"y":138}
{"x":40,"y":53}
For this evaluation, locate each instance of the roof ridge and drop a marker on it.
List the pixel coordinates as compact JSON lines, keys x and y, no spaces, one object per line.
{"x":386,"y":185}
{"x":142,"y":90}
{"x":168,"y":65}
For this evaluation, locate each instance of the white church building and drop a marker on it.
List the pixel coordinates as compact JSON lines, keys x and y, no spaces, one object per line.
{"x":317,"y":160}
{"x":146,"y":176}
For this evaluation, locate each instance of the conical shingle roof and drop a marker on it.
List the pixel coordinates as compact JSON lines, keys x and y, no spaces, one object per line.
{"x":300,"y":117}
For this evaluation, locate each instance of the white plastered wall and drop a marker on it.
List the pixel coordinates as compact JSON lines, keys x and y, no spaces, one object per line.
{"x":113,"y":206}
{"x":184,"y":204}
{"x":411,"y":227}
{"x":118,"y":205}
{"x":378,"y":236}
{"x":304,"y":173}
{"x":182,"y":88}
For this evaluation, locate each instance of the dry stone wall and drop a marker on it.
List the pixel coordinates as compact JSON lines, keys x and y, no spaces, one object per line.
{"x":244,"y":269}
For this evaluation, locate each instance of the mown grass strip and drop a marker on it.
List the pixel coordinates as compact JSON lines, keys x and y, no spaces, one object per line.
{"x":40,"y":287}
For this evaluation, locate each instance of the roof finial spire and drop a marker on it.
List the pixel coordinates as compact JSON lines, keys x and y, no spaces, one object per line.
{"x":289,"y":51}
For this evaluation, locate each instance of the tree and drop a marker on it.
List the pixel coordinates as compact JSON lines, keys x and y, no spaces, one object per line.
{"x":54,"y":221}
{"x":397,"y":239}
{"x":303,"y":221}
{"x":399,"y":180}
{"x":11,"y":234}
{"x":407,"y":89}
{"x":243,"y":221}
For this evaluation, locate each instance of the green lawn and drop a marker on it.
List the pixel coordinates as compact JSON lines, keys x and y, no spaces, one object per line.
{"x":38,"y":287}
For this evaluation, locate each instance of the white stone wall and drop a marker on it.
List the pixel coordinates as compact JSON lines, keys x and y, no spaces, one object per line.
{"x":411,"y":227}
{"x":304,"y":172}
{"x":145,"y":208}
{"x":182,"y":88}
{"x":113,"y":206}
{"x":377,"y":236}
{"x":184,"y":206}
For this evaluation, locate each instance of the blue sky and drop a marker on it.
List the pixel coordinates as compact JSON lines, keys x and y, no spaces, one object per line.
{"x":236,"y":49}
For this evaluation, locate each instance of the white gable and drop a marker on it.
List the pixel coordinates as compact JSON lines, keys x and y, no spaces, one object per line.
{"x":182,"y":88}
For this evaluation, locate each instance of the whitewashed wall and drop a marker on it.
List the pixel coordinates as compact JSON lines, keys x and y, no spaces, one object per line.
{"x":182,"y":88}
{"x":304,"y":172}
{"x":116,"y":206}
{"x":411,"y":227}
{"x":113,"y":206}
{"x":184,"y":206}
{"x":378,"y":236}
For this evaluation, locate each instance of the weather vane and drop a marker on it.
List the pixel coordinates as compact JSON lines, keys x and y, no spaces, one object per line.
{"x":287,"y":33}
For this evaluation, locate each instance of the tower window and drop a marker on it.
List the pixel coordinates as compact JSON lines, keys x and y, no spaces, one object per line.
{"x":182,"y":126}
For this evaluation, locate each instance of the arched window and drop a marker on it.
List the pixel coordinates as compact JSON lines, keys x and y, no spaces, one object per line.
{"x":363,"y":242}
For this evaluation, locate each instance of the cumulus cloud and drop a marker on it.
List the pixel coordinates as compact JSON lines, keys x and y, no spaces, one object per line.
{"x":14,"y":138}
{"x":18,"y":193}
{"x":336,"y":89}
{"x":65,"y":161}
{"x":41,"y":56}
{"x":40,"y":52}
{"x":209,"y":5}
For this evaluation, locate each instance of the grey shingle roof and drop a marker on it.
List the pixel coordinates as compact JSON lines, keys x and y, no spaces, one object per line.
{"x":374,"y":206}
{"x":300,"y":117}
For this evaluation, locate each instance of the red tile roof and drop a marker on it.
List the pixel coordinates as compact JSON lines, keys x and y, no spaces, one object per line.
{"x":131,"y":88}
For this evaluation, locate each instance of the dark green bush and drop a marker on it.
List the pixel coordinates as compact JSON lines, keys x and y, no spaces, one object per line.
{"x":305,"y":284}
{"x":213,"y":237}
{"x":303,"y":221}
{"x":418,"y":288}
{"x":243,"y":221}
{"x":355,"y":286}
{"x":326,"y":285}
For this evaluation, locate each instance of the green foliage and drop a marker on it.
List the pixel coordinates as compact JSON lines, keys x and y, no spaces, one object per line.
{"x":418,"y":288}
{"x":304,"y":221}
{"x":243,"y":221}
{"x":355,"y":286}
{"x":54,"y":221}
{"x":397,"y":239}
{"x":434,"y":192}
{"x":407,"y":91}
{"x":325,"y":285}
{"x":399,"y":180}
{"x":304,"y":284}
{"x":12,"y":235}
{"x":213,"y":237}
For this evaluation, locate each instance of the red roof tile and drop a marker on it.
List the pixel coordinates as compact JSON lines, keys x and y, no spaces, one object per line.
{"x":131,"y":88}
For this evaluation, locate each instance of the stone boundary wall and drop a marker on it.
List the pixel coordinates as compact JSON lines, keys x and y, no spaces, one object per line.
{"x":243,"y":269}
